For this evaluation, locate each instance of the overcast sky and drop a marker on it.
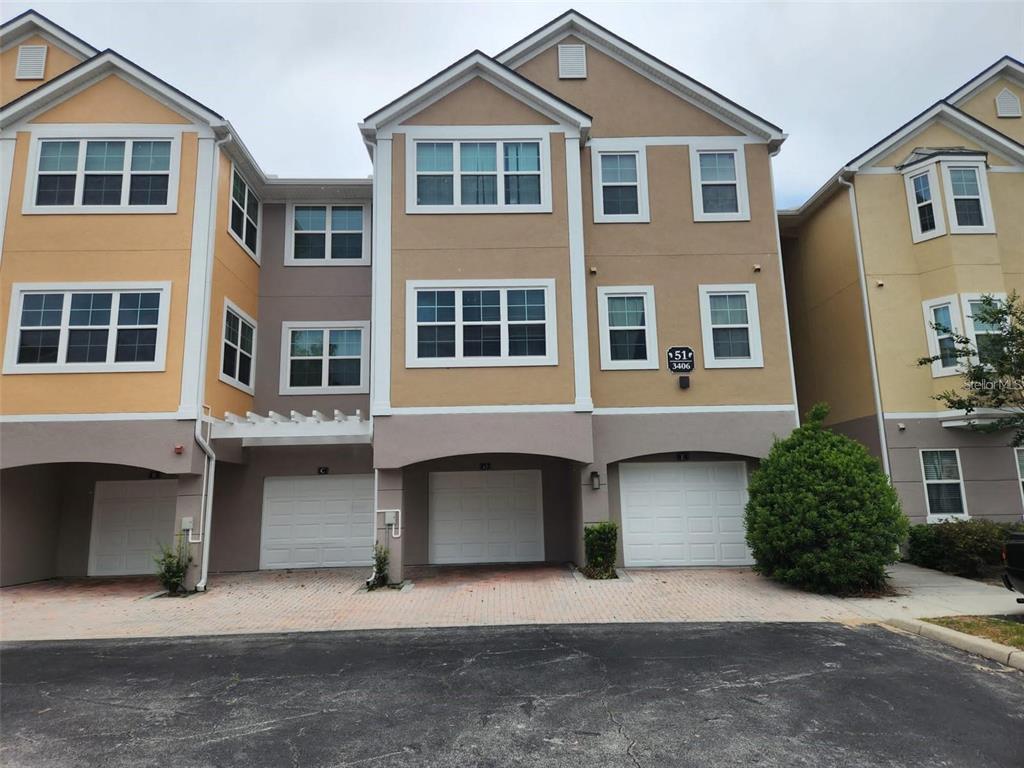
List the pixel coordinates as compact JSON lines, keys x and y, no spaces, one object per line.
{"x":295,"y":78}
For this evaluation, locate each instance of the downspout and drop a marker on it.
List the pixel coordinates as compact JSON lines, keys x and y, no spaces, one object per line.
{"x":876,"y":390}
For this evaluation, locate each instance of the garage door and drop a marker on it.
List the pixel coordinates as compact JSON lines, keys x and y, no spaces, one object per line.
{"x":685,"y":513}
{"x":317,"y":522}
{"x":130,"y":520}
{"x":486,"y":517}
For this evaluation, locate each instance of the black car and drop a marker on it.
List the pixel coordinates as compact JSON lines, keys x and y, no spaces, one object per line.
{"x":1013,"y":556}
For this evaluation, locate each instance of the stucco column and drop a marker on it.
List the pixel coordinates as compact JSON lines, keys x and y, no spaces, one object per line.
{"x":190,"y":504}
{"x":389,"y":498}
{"x":593,"y":503}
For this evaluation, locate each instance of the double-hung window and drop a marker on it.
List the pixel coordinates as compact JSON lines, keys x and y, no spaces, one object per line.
{"x":620,"y":184}
{"x":473,"y":324}
{"x":718,"y":180}
{"x":245,"y":214}
{"x":327,"y":234}
{"x":986,"y":338}
{"x":926,"y":219}
{"x":942,"y":325}
{"x":943,"y":484}
{"x":478,"y":176}
{"x":324,"y":358}
{"x":239,"y":349}
{"x":730,"y":326}
{"x":1018,"y":455}
{"x":87,"y":329}
{"x":967,"y":199}
{"x":105,"y":175}
{"x":629,"y":335}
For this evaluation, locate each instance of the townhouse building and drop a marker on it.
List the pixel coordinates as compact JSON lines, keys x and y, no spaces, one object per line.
{"x":558,"y":301}
{"x":898,"y":246}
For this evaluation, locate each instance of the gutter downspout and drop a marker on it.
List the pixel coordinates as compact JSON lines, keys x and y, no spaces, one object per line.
{"x":876,"y":390}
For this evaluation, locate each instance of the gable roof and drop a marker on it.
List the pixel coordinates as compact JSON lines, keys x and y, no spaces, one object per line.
{"x":1006,"y":66}
{"x":685,"y":87}
{"x":29,"y":22}
{"x":475,"y":64}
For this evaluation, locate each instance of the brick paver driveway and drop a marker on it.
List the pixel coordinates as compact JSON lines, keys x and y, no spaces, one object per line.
{"x":317,"y":600}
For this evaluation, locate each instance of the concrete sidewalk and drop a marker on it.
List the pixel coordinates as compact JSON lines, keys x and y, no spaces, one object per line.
{"x":323,"y":600}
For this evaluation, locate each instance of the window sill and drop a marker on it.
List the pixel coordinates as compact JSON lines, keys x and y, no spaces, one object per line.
{"x":249,"y":390}
{"x":629,"y":365}
{"x":38,"y":368}
{"x":243,"y":246}
{"x":925,"y":237}
{"x":65,"y":210}
{"x":958,"y":230}
{"x":493,"y":362}
{"x":700,"y":216}
{"x":301,"y":391}
{"x":362,"y":262}
{"x":478,"y":209}
{"x":734,"y":364}
{"x":631,"y":218}
{"x":934,"y":519}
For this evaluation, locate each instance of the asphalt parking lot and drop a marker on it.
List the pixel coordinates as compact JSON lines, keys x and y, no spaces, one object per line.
{"x":597,"y":695}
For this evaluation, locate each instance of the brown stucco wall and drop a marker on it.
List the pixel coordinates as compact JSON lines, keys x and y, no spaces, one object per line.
{"x":478,"y":103}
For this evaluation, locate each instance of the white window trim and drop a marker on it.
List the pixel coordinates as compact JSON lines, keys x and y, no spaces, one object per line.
{"x":980,"y":167}
{"x":955,"y":318}
{"x":650,"y":328}
{"x":250,"y":388}
{"x":259,"y":224}
{"x":963,"y":490}
{"x":289,"y":246}
{"x":1020,"y":475}
{"x":965,"y":309}
{"x":938,"y":209}
{"x":285,"y":387}
{"x":18,"y":290}
{"x":102,"y":132}
{"x":550,"y":324}
{"x":716,"y":144}
{"x":643,"y":214}
{"x":756,"y":359}
{"x":471,"y":134}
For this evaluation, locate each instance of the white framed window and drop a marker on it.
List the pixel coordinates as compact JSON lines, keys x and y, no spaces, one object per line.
{"x":506,"y":169}
{"x":244,"y":215}
{"x":985,"y":337}
{"x":926,"y":217}
{"x":968,"y":205}
{"x":1018,"y":455}
{"x":238,"y":348}
{"x":943,"y":485}
{"x":321,"y":358}
{"x":620,"y":185}
{"x":87,"y":327}
{"x":942,"y":322}
{"x":328,"y":235}
{"x":718,"y":177}
{"x":730,"y":326}
{"x":629,"y":328}
{"x":480,"y":323}
{"x":105,"y":172}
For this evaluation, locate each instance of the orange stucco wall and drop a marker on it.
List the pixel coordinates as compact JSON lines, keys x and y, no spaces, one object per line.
{"x":58,"y":61}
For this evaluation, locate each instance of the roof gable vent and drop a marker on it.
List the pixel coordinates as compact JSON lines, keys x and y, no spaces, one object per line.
{"x":31,"y":62}
{"x":572,"y":62}
{"x":1007,"y":104}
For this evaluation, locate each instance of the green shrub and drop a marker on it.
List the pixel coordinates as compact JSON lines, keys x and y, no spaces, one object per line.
{"x":381,"y":562}
{"x":172,"y":565}
{"x":822,"y":514}
{"x":599,"y":541}
{"x":968,"y":548}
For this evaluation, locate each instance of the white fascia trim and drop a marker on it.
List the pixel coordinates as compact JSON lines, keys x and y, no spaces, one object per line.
{"x":719,"y":144}
{"x":480,"y":409}
{"x":963,"y":490}
{"x":380,"y":299}
{"x":666,"y":409}
{"x":112,"y":132}
{"x":158,"y":364}
{"x":289,"y":243}
{"x":938,"y":210}
{"x":577,"y":276}
{"x":259,"y":224}
{"x":7,"y":146}
{"x":1005,"y":66}
{"x":550,"y":324}
{"x":979,"y":167}
{"x":32,"y":23}
{"x":938,"y":371}
{"x":363,"y":387}
{"x":756,"y":359}
{"x":27,"y":418}
{"x":650,"y":329}
{"x":455,"y":134}
{"x":643,"y":214}
{"x":249,"y":388}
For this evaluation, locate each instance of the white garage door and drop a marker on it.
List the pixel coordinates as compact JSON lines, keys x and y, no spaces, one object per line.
{"x":130,"y":520}
{"x":684,"y":513}
{"x":486,"y":517}
{"x":317,"y":521}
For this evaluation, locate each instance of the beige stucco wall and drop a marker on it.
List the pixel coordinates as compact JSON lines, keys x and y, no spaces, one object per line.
{"x":982,"y":105}
{"x":478,"y":103}
{"x":936,"y":134}
{"x":58,"y":61}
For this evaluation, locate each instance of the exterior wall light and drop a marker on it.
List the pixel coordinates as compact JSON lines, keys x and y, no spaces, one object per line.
{"x":595,"y":481}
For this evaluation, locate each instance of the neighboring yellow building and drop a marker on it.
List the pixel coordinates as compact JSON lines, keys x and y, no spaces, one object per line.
{"x":909,"y":235}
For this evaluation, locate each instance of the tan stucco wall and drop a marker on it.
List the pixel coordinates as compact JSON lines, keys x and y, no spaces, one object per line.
{"x":937,"y":134}
{"x":982,"y":105}
{"x":111,"y":100}
{"x":622,"y":102}
{"x":478,"y":103}
{"x":481,"y":246}
{"x":236,"y":277}
{"x":58,"y":61}
{"x":826,"y":315}
{"x":61,"y":248}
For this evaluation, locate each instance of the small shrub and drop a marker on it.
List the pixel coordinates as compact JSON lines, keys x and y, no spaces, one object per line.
{"x":599,"y":543}
{"x":172,"y":565}
{"x":969,"y":548}
{"x":822,"y":515}
{"x":381,"y":561}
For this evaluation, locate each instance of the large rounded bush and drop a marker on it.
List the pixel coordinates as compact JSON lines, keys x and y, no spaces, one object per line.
{"x":822,"y":514}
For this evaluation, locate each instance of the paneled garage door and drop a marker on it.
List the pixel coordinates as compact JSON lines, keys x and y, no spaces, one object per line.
{"x":317,"y":521}
{"x":131,"y":519}
{"x":684,"y":513}
{"x":486,"y":517}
